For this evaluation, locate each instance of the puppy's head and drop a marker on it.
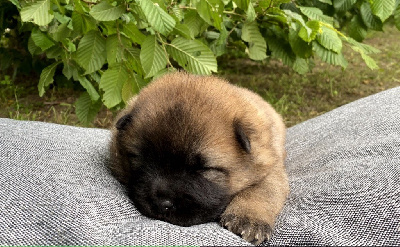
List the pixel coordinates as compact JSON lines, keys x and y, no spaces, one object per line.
{"x":167,"y":176}
{"x":180,"y":152}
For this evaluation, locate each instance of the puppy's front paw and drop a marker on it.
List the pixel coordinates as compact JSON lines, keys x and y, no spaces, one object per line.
{"x":253,"y":231}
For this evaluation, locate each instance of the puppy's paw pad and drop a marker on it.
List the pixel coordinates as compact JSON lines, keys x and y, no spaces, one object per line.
{"x":250,"y":230}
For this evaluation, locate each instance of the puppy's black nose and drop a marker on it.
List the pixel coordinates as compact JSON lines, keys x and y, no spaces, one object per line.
{"x":166,"y":206}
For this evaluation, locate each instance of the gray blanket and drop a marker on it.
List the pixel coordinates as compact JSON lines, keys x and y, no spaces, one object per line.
{"x":344,"y":171}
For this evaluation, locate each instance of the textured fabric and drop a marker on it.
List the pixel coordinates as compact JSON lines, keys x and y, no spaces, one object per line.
{"x":56,"y":190}
{"x":344,"y":170}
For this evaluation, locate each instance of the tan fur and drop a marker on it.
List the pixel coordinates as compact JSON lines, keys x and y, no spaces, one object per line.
{"x":258,"y":182}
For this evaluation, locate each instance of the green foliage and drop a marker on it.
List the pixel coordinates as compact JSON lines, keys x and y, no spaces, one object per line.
{"x":86,"y":108}
{"x":91,"y":53}
{"x":257,"y":48}
{"x":46,"y":77}
{"x":112,"y":48}
{"x":192,"y":55}
{"x":152,"y":56}
{"x":37,"y":12}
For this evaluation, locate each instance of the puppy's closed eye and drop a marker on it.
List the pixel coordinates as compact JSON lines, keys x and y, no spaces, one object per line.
{"x":201,"y":166}
{"x":215,"y":174}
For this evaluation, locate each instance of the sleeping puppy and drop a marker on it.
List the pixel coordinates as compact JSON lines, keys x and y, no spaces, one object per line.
{"x":194,"y":149}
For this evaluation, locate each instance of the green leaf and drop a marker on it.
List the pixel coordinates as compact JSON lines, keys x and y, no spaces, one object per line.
{"x":194,"y":22}
{"x":298,"y":18}
{"x":193,"y":56}
{"x":301,"y":48}
{"x":367,"y":49}
{"x":115,"y":46}
{"x":383,"y":8}
{"x":343,"y":5}
{"x":139,"y":18}
{"x":329,"y":56}
{"x":218,"y":46}
{"x":111,"y":83}
{"x":367,"y":59}
{"x":131,"y":87}
{"x":397,"y":17}
{"x":131,"y":31}
{"x":83,"y":23}
{"x":160,"y":20}
{"x":243,"y":4}
{"x":178,"y":13}
{"x":33,"y":48}
{"x":106,"y":12}
{"x":114,"y":51}
{"x":46,"y":77}
{"x":309,"y":32}
{"x":161,"y":3}
{"x":96,"y":76}
{"x":41,"y":39}
{"x":62,"y":18}
{"x":211,"y":11}
{"x":264,"y":3}
{"x":71,"y":47}
{"x":152,"y":56}
{"x":183,"y":30}
{"x":132,"y":56}
{"x":16,"y":3}
{"x":69,"y":69}
{"x":211,"y":35}
{"x":370,"y":20}
{"x":279,"y":2}
{"x":86,"y":110}
{"x":62,"y":32}
{"x":316,"y":14}
{"x":91,"y":53}
{"x":276,"y":15}
{"x":357,"y":29}
{"x":301,"y":66}
{"x":251,"y":13}
{"x":326,"y":1}
{"x":37,"y":12}
{"x":128,"y":91}
{"x":92,"y":92}
{"x":164,"y":71}
{"x":281,"y":50}
{"x":257,"y":47}
{"x":108,"y":27}
{"x":94,"y":95}
{"x":54,"y":52}
{"x":329,"y":39}
{"x":80,"y":7}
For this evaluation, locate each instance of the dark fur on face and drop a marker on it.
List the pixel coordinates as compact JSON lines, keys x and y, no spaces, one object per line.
{"x":194,"y":149}
{"x":165,"y":181}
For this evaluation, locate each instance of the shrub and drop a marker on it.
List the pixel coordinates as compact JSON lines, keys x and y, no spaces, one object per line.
{"x":114,"y":47}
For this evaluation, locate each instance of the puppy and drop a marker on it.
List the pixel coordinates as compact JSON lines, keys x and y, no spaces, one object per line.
{"x":194,"y":149}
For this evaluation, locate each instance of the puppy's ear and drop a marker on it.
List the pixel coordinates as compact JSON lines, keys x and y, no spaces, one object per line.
{"x":241,"y":136}
{"x":123,"y":122}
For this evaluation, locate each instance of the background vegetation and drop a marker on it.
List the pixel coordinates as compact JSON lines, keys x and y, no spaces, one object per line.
{"x":91,"y":56}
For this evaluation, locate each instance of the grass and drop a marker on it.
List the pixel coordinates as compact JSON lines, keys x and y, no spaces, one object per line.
{"x":20,"y":100}
{"x":296,"y":97}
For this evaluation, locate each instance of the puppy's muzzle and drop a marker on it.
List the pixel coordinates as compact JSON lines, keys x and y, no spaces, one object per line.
{"x":166,"y":206}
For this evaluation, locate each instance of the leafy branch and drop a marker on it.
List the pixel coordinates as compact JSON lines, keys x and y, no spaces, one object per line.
{"x":115,"y":47}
